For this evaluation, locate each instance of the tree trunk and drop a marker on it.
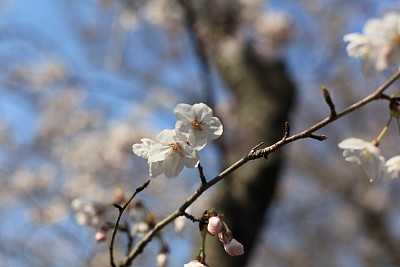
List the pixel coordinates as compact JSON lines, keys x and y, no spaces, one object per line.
{"x":263,"y":94}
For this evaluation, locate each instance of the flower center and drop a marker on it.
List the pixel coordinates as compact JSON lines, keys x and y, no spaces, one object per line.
{"x":176,"y":148}
{"x":196,"y":125}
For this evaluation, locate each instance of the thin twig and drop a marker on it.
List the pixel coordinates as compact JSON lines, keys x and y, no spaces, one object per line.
{"x":191,"y":217}
{"x":120,"y":212}
{"x":253,"y":154}
{"x":329,"y":101}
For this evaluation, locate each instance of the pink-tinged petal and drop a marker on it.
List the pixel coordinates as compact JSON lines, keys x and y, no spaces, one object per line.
{"x":101,"y":235}
{"x":224,"y":238}
{"x":184,"y":112}
{"x":172,"y":166}
{"x":214,"y":225}
{"x":234,"y":248}
{"x":202,"y":111}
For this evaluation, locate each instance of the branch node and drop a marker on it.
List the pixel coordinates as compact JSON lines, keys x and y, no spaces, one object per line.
{"x":118,"y":207}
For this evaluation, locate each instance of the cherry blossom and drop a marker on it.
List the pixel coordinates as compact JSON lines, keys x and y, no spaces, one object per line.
{"x":378,"y":46}
{"x":393,"y":167}
{"x":198,"y":123}
{"x":168,"y":155}
{"x":365,"y":154}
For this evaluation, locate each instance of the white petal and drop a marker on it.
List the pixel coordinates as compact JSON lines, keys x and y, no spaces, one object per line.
{"x":352,"y":156}
{"x":353,"y":143}
{"x":214,"y":128}
{"x":166,"y":136}
{"x":198,"y":139}
{"x":183,"y":127}
{"x":155,"y":168}
{"x":192,"y":160}
{"x":373,"y":163}
{"x":172,"y":166}
{"x":142,"y":149}
{"x":203,"y":112}
{"x":184,"y":112}
{"x":393,"y":166}
{"x":158,"y":152}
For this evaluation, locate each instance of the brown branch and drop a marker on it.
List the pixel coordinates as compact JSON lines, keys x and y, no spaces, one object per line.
{"x":120,"y":212}
{"x":255,"y":153}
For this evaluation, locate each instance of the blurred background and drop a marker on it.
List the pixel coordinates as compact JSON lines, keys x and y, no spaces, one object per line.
{"x":81,"y":81}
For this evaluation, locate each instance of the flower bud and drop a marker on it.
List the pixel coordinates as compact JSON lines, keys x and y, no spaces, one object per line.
{"x":214,"y":225}
{"x":234,"y":248}
{"x":101,"y":235}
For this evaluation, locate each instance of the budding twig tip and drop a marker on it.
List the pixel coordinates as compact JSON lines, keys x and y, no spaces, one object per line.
{"x":329,"y":101}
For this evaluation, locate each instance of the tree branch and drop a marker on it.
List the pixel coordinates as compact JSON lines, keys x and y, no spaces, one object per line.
{"x":120,"y":212}
{"x":254,"y":153}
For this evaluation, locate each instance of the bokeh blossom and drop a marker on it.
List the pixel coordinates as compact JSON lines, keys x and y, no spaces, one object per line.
{"x":365,"y":154}
{"x":198,"y":122}
{"x":379,"y":44}
{"x":393,"y":167}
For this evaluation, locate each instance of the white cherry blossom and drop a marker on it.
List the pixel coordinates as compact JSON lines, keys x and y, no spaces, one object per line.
{"x":379,"y":44}
{"x":168,"y":155}
{"x":198,"y":123}
{"x":365,"y":154}
{"x":393,"y":167}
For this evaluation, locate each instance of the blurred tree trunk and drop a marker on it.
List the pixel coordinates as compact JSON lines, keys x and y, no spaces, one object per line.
{"x":263,"y":94}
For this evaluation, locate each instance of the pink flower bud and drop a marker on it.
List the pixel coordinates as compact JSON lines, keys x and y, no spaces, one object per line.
{"x":234,"y":248}
{"x":214,"y":225}
{"x":101,"y":235}
{"x":162,"y":260}
{"x":225,"y":237}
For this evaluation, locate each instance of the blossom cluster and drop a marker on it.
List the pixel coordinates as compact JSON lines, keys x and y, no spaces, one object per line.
{"x":179,"y":147}
{"x":379,"y":44}
{"x":368,"y":155}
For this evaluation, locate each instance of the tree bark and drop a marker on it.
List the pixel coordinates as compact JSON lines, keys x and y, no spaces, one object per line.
{"x":264,"y":94}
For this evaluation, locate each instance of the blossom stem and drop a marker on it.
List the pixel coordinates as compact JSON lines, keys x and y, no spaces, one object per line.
{"x":202,"y":253}
{"x":384,"y":130}
{"x":398,"y":125}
